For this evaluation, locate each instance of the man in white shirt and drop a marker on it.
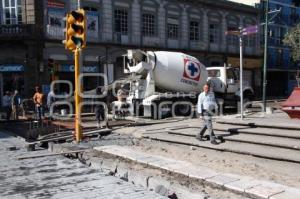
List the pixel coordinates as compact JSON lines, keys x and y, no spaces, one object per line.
{"x":206,"y":105}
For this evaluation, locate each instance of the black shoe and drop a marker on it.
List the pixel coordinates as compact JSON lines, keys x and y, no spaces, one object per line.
{"x":214,"y":142}
{"x":199,"y":137}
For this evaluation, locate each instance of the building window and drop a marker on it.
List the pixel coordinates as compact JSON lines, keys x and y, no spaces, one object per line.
{"x":249,"y":41}
{"x":121,"y":21}
{"x":232,"y":39}
{"x":12,"y":12}
{"x":279,"y":58}
{"x":214,"y":33}
{"x":148,"y":25}
{"x":91,"y":9}
{"x":172,"y":28}
{"x":194,"y":31}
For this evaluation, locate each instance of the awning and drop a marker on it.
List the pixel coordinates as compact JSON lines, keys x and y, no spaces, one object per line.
{"x":247,"y":64}
{"x":11,"y":68}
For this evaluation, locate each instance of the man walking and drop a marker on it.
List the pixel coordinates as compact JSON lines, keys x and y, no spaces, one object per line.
{"x":50,"y":100}
{"x":206,"y":105}
{"x":7,"y":104}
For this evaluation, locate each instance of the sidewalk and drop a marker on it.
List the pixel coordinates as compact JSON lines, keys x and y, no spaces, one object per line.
{"x":278,"y":119}
{"x":56,"y":176}
{"x":246,"y":186}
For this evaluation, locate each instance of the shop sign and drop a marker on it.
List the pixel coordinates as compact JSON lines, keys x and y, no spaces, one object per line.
{"x":85,"y":69}
{"x":11,"y":68}
{"x":248,"y":63}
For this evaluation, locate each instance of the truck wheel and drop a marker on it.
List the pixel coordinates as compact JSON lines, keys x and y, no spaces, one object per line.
{"x":183,"y":110}
{"x":165,"y":111}
{"x":247,"y":100}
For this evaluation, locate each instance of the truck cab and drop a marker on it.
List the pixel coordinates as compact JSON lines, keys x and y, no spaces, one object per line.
{"x":225,"y":83}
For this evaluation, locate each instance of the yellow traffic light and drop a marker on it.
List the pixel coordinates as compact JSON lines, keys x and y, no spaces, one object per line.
{"x":75,"y":30}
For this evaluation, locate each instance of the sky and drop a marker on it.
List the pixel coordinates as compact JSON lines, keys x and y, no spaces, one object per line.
{"x":248,"y":2}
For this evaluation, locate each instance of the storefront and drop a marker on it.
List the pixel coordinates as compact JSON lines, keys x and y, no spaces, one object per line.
{"x":66,"y":72}
{"x":11,"y":78}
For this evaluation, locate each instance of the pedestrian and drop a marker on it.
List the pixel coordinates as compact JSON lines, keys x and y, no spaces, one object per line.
{"x":15,"y":102}
{"x":38,"y":101}
{"x":50,"y":100}
{"x":7,"y":104}
{"x":206,"y":105}
{"x":99,"y":109}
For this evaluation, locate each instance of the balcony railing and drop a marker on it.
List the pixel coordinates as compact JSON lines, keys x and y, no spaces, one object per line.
{"x":18,"y":31}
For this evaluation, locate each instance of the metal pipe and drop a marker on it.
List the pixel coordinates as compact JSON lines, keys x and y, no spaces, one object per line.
{"x":241,"y":76}
{"x":78,"y":3}
{"x":265,"y":56}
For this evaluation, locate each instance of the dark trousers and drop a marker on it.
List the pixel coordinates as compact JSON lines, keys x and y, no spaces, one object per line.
{"x":207,"y":125}
{"x":8,"y":111}
{"x":99,"y":113}
{"x":39,"y":112}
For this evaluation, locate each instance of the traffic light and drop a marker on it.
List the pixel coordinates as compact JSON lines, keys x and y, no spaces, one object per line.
{"x":51,"y":65}
{"x":75,"y":30}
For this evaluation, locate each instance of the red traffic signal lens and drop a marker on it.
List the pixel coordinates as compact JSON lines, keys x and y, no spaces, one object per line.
{"x":77,"y":16}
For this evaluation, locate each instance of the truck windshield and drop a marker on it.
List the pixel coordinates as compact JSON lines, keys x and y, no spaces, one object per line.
{"x":214,"y":73}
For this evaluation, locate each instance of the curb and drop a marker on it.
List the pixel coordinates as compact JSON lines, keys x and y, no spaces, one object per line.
{"x":234,"y":183}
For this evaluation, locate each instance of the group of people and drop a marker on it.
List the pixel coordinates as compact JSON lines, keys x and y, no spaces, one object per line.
{"x":11,"y":103}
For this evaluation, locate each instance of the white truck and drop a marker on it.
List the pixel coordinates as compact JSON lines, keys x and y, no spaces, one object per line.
{"x":163,"y":84}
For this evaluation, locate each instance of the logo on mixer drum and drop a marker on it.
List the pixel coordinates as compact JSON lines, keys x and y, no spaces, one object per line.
{"x":191,"y":70}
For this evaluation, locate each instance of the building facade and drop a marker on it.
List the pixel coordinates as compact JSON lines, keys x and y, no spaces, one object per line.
{"x":281,"y":69}
{"x":196,"y":27}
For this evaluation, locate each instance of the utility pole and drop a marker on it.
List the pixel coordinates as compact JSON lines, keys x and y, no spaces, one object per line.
{"x":240,"y":33}
{"x":241,"y":75}
{"x":265,"y":55}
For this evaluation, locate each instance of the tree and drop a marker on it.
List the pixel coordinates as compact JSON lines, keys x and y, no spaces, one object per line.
{"x":292,"y":39}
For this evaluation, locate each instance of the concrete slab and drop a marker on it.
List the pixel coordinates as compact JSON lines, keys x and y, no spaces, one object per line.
{"x":256,"y":188}
{"x":198,"y":172}
{"x":223,"y":179}
{"x":243,"y":184}
{"x":289,"y":193}
{"x":266,"y":190}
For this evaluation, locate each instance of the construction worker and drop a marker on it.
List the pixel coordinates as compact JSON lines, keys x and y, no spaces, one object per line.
{"x":7,"y":104}
{"x":16,"y":102}
{"x":206,"y":105}
{"x":38,"y":101}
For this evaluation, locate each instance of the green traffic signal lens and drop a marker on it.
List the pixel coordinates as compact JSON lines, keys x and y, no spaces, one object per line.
{"x":77,"y":41}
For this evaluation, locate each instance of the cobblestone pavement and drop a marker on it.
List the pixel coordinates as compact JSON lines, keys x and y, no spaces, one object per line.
{"x":56,"y":177}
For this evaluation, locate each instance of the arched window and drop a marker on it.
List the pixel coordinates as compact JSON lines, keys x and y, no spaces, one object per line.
{"x":232,"y":25}
{"x":173,"y":21}
{"x":149,"y":18}
{"x":195,"y":18}
{"x":12,"y":12}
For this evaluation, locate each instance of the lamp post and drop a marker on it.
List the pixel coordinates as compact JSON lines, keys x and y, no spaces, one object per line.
{"x":265,"y":55}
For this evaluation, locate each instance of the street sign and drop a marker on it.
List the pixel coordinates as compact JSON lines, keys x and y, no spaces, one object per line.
{"x":249,"y":30}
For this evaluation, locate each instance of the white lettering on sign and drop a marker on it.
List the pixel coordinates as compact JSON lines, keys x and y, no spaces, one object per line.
{"x":192,"y":83}
{"x":11,"y":68}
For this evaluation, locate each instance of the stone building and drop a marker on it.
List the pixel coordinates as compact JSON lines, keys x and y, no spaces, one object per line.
{"x":196,"y":27}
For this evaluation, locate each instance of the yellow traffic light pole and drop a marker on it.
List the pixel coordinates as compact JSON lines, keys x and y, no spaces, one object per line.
{"x":78,"y":129}
{"x":75,"y":41}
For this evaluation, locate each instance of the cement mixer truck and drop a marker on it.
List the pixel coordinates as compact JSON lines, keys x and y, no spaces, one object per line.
{"x":163,"y":84}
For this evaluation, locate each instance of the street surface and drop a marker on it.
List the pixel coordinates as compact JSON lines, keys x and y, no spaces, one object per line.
{"x":56,"y":176}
